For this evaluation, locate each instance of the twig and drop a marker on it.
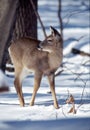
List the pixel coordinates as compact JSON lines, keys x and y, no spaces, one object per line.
{"x":74,"y":73}
{"x":37,"y":15}
{"x":58,"y":73}
{"x":78,"y":76}
{"x":83,"y":92}
{"x":70,"y":15}
{"x":86,"y":62}
{"x":82,"y":53}
{"x":60,"y":18}
{"x":82,"y":81}
{"x":81,"y":100}
{"x":74,"y":39}
{"x":63,"y":112}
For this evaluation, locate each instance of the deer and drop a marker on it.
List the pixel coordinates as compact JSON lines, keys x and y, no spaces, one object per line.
{"x":40,"y":57}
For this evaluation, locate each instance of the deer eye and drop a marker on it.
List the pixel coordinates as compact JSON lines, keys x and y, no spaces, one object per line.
{"x":50,"y":41}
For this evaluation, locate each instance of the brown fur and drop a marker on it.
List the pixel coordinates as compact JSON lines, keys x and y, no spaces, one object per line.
{"x":26,"y":57}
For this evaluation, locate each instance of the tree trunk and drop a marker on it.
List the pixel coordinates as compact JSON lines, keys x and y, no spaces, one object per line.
{"x":17,"y":19}
{"x":26,"y":20}
{"x":7,"y":19}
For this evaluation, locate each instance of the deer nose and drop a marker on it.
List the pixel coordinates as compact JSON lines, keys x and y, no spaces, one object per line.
{"x":40,"y":45}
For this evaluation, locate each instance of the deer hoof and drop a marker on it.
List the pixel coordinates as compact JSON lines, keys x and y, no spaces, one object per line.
{"x":56,"y":106}
{"x":31,"y":104}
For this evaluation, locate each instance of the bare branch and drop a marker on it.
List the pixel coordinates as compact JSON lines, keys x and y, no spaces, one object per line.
{"x":83,"y":92}
{"x":37,"y":15}
{"x":60,"y":18}
{"x":74,"y":39}
{"x":77,"y":74}
{"x":88,"y":61}
{"x":63,"y":112}
{"x":70,"y":15}
{"x":4,"y":89}
{"x":82,"y":53}
{"x":84,"y":82}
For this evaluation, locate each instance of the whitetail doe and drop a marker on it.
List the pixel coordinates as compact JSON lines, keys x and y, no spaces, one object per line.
{"x":27,"y":58}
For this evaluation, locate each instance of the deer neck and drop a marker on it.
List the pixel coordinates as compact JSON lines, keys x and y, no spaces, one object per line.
{"x":55,"y":58}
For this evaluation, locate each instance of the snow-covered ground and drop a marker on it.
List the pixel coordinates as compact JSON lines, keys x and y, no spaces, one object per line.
{"x":75,"y":79}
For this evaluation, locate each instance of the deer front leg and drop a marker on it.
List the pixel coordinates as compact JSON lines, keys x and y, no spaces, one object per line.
{"x":52,"y":87}
{"x":37,"y":81}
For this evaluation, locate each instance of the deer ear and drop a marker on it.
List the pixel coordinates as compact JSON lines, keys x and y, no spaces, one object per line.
{"x":54,"y":32}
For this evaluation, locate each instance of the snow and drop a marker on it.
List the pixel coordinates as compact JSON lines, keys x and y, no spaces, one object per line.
{"x":75,"y":79}
{"x":3,"y":80}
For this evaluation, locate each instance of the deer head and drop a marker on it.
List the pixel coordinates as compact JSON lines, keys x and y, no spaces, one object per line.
{"x":52,"y":42}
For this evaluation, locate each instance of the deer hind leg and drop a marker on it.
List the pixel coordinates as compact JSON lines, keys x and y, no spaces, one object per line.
{"x":51,"y":80}
{"x":18,"y":86}
{"x":37,"y":81}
